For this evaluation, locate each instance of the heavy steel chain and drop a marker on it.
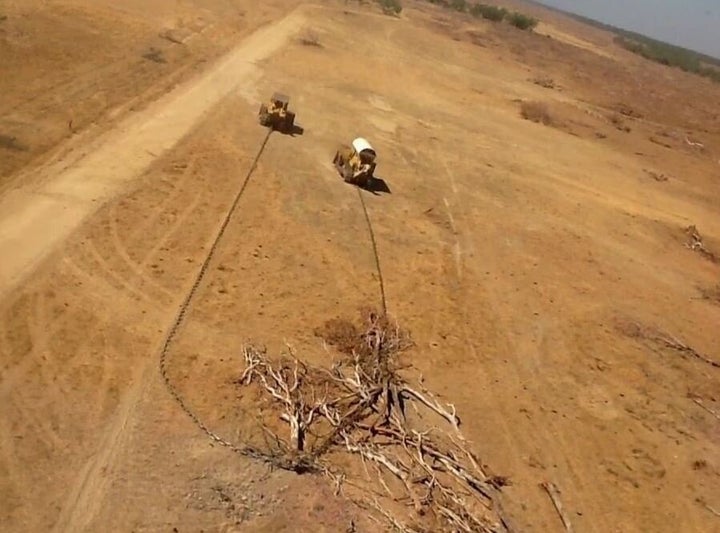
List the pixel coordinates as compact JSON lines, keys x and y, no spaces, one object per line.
{"x":182,"y":311}
{"x":248,"y":451}
{"x":383,"y":300}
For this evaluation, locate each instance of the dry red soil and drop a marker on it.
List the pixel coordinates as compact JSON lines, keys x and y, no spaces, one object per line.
{"x":543,"y":269}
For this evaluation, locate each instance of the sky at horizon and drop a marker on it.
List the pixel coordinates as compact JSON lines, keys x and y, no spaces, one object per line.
{"x":694,"y":24}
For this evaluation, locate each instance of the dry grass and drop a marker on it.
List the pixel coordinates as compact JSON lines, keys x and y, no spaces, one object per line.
{"x":536,"y":112}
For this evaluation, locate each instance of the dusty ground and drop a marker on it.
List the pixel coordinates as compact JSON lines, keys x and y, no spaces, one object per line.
{"x":534,"y":264}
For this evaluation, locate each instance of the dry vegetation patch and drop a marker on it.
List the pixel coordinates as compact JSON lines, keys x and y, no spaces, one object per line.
{"x":547,"y":83}
{"x":361,"y":415}
{"x":619,"y":123}
{"x":536,"y":112}
{"x":11,"y":143}
{"x":310,"y":38}
{"x":641,"y":332}
{"x":155,"y":55}
{"x":657,"y":176}
{"x":711,"y":294}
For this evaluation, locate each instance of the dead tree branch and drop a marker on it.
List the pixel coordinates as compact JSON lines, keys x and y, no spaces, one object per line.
{"x":676,"y":344}
{"x":429,"y":474}
{"x":699,"y":402}
{"x":554,"y":494}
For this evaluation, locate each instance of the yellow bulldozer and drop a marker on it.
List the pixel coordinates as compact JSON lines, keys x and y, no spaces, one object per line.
{"x":276,"y":115}
{"x":356,"y":163}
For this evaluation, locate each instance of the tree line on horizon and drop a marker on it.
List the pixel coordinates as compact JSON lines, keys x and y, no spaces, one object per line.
{"x":487,"y":11}
{"x":653,"y":49}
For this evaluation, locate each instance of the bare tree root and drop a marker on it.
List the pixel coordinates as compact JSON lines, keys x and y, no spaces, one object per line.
{"x":708,"y":507}
{"x":676,"y":344}
{"x":554,"y":494}
{"x":699,"y":402}
{"x":696,"y":244}
{"x":428,"y":480}
{"x":639,"y":331}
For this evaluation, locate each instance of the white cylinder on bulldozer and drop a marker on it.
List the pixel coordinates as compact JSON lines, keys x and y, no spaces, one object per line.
{"x":361,"y":145}
{"x":356,"y":163}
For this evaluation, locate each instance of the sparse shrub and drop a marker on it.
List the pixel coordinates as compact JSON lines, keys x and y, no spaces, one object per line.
{"x":11,"y":143}
{"x":489,"y":12}
{"x":459,"y":5}
{"x":494,"y":13}
{"x":617,"y":121}
{"x":310,"y":38}
{"x":627,"y":111}
{"x":524,"y":22}
{"x":391,"y":7}
{"x":699,"y":464}
{"x":547,"y":83}
{"x":155,"y":55}
{"x":536,"y":112}
{"x":657,"y":177}
{"x":711,"y":294}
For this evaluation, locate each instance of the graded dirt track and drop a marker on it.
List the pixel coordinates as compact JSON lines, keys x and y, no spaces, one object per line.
{"x":528,"y":261}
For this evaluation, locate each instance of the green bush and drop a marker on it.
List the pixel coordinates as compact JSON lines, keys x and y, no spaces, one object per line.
{"x":494,"y":13}
{"x":709,"y":72}
{"x":489,"y":12}
{"x":524,"y":22}
{"x":391,"y":7}
{"x":670,"y":55}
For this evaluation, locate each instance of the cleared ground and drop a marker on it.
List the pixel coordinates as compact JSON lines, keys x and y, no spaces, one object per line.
{"x":534,"y":264}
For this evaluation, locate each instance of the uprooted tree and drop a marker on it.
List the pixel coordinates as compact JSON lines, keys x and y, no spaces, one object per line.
{"x":362,"y":417}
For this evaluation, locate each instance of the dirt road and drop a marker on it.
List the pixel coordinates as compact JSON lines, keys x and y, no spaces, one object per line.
{"x":139,"y":143}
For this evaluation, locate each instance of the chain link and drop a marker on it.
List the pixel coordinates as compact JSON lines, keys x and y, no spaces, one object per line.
{"x":182,"y":311}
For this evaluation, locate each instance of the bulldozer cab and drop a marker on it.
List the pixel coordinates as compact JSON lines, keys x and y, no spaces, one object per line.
{"x":280,"y":101}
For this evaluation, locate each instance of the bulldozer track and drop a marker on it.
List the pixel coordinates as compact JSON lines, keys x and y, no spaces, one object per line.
{"x":245,"y":450}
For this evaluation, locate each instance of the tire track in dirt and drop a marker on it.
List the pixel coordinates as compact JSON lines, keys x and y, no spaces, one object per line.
{"x":111,"y":274}
{"x":511,"y":436}
{"x":139,"y":268}
{"x":85,"y":497}
{"x":552,"y":443}
{"x":160,"y":127}
{"x":458,"y":252}
{"x":150,"y":224}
